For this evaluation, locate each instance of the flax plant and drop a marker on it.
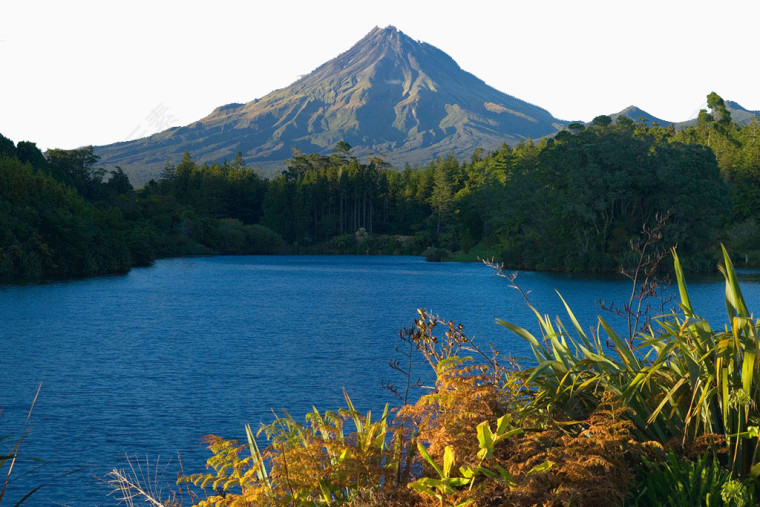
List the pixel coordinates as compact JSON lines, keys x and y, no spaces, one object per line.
{"x":716,"y":374}
{"x":681,"y":379}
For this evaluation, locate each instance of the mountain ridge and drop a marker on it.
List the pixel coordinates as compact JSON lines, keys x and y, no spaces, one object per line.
{"x":387,"y":94}
{"x":637,"y":114}
{"x":739,"y":115}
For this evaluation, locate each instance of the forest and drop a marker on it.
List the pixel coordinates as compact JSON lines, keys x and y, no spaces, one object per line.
{"x":574,"y":202}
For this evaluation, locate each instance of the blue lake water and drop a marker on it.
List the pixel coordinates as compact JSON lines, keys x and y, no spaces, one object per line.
{"x":147,"y":363}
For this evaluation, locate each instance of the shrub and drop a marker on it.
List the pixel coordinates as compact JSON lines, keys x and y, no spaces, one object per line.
{"x":686,"y":483}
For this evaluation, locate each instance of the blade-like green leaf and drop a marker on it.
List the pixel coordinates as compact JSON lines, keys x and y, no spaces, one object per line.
{"x":258,"y":461}
{"x":724,"y":393}
{"x":561,"y":352}
{"x":423,"y":452}
{"x":748,"y":370}
{"x":667,"y":398}
{"x":576,"y":324}
{"x":525,"y":335}
{"x":354,"y":414}
{"x":735,"y":303}
{"x":683,"y":292}
{"x":621,"y":348}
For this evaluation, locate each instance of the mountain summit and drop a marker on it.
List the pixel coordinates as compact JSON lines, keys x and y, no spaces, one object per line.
{"x":388,"y":94}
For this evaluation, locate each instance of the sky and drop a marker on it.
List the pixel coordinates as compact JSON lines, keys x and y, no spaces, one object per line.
{"x":78,"y":73}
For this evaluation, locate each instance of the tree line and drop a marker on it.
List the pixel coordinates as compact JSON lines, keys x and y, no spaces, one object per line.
{"x":573,"y":202}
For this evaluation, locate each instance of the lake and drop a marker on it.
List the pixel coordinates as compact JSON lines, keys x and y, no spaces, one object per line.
{"x":144,"y":365}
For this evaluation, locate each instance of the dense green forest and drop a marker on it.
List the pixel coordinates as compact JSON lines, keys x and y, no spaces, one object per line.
{"x":573,"y":202}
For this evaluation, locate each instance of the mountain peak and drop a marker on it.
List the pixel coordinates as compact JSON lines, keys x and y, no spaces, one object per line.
{"x":636,"y":114}
{"x":390,"y":32}
{"x":382,"y":42}
{"x":388,"y":93}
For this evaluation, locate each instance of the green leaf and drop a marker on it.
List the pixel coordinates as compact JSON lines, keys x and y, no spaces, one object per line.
{"x":576,"y":324}
{"x":326,"y":493}
{"x":456,"y":482}
{"x":448,"y":461}
{"x":724,"y":390}
{"x":506,"y":476}
{"x":485,"y":471}
{"x":525,"y":335}
{"x":502,"y":423}
{"x":422,"y":486}
{"x":667,"y":398}
{"x":751,"y":432}
{"x":258,"y":460}
{"x":621,"y":348}
{"x":354,"y":414}
{"x":685,"y":300}
{"x":748,"y":370}
{"x":543,"y":467}
{"x":423,"y":452}
{"x":485,"y":438}
{"x":467,"y":471}
{"x":735,"y":303}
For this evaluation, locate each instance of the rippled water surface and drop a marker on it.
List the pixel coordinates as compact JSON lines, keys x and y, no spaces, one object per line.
{"x":148,"y":363}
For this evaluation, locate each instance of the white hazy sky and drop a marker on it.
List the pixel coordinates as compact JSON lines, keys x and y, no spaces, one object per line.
{"x":80,"y":72}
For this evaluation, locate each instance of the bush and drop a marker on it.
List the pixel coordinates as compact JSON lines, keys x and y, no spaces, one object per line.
{"x":686,"y":483}
{"x":434,"y":254}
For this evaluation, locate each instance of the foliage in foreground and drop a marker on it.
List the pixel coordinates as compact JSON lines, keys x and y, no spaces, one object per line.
{"x":685,"y":483}
{"x":464,"y":443}
{"x":683,"y":381}
{"x":666,"y":416}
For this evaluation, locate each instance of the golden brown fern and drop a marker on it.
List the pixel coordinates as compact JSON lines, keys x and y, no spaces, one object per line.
{"x":595,"y":463}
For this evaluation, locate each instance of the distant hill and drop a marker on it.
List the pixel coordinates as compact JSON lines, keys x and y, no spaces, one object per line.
{"x":739,"y":115}
{"x":636,"y":114}
{"x":388,"y":94}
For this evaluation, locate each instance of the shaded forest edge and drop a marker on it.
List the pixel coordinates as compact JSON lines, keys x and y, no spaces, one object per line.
{"x":574,"y":202}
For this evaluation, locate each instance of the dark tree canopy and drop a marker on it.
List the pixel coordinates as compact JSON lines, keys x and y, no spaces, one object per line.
{"x":574,"y":202}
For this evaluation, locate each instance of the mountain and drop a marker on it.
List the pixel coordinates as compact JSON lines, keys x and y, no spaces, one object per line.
{"x":636,"y":114}
{"x":388,"y":94}
{"x":739,"y":115}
